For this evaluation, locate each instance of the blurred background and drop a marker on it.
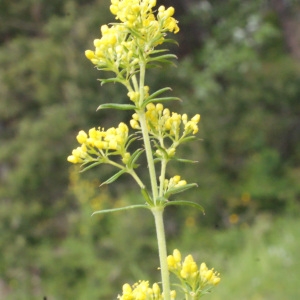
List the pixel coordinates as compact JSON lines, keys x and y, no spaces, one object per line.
{"x":238,"y":66}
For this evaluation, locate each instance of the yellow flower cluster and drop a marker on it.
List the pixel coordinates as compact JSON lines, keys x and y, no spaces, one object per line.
{"x":197,"y":280}
{"x":132,"y":12}
{"x":99,"y":143}
{"x":139,"y":14}
{"x":161,"y":122}
{"x":173,"y":182}
{"x":142,"y":291}
{"x":138,"y":33}
{"x":134,"y":96}
{"x":113,"y":50}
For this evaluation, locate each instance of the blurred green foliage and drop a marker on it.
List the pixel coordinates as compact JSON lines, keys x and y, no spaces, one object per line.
{"x":234,"y":69}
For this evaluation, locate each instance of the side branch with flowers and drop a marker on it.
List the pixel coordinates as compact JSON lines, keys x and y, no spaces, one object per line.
{"x":127,"y":48}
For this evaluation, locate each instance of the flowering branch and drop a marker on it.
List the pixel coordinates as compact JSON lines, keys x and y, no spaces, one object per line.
{"x":126,"y":49}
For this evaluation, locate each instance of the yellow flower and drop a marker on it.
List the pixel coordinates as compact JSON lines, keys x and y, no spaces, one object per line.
{"x":134,"y":124}
{"x":181,"y":183}
{"x":96,"y":140}
{"x":165,"y":16}
{"x":191,"y":126}
{"x":90,"y":54}
{"x":117,"y":49}
{"x":175,"y":182}
{"x":73,"y":159}
{"x":78,"y":155}
{"x":81,"y":137}
{"x":196,"y":118}
{"x":174,"y":261}
{"x":127,"y":292}
{"x":173,"y":295}
{"x":133,"y":96}
{"x":189,"y":268}
{"x":162,"y":124}
{"x":197,"y":280}
{"x":209,"y":276}
{"x":143,"y":291}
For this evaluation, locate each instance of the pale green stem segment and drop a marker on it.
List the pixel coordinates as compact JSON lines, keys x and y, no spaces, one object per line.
{"x":190,"y":297}
{"x":137,"y":179}
{"x":162,"y":176}
{"x":156,"y":210}
{"x":148,"y":148}
{"x":149,"y":155}
{"x":131,"y":172}
{"x":162,"y":249}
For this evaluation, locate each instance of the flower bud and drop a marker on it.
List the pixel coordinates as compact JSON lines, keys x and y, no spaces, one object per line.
{"x":170,"y":11}
{"x":81,"y":137}
{"x":97,"y":43}
{"x":196,"y":118}
{"x":159,"y":107}
{"x":89,"y":54}
{"x":177,"y":255}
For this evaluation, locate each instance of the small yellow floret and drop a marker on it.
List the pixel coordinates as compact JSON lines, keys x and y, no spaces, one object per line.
{"x":176,"y":179}
{"x":81,"y":137}
{"x":177,"y":255}
{"x":72,"y":159}
{"x":180,"y":183}
{"x":170,"y":11}
{"x":89,"y":54}
{"x":134,"y":124}
{"x":196,"y":118}
{"x":159,"y":107}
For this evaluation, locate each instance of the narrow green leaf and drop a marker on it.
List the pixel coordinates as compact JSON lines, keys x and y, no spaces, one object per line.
{"x":189,"y":139}
{"x":130,"y":140}
{"x":159,"y":51}
{"x":134,"y":157}
{"x":188,"y":203}
{"x":179,"y":189}
{"x":157,"y":63}
{"x":115,"y":79}
{"x":158,"y":92}
{"x":147,"y":197}
{"x":114,"y":177}
{"x":116,"y":106}
{"x":163,"y":99}
{"x":91,"y":166}
{"x":153,"y":65}
{"x":102,"y":67}
{"x":171,"y":41}
{"x":166,"y":99}
{"x":185,"y":160}
{"x":104,"y":211}
{"x":163,"y":57}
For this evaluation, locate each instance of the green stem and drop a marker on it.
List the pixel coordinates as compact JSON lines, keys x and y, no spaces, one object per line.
{"x":135,"y":83}
{"x":146,"y":138}
{"x":162,"y":176}
{"x":156,"y":210}
{"x":137,"y":179}
{"x":162,"y":250}
{"x":149,"y":156}
{"x":142,"y":83}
